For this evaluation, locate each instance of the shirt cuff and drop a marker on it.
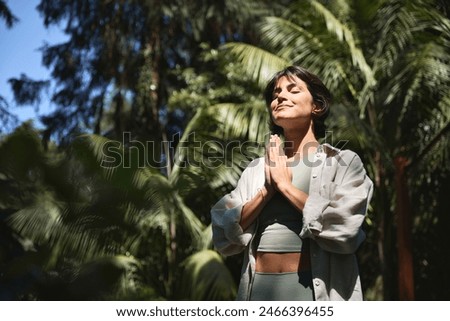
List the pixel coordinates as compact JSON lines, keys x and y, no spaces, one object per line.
{"x":312,"y":214}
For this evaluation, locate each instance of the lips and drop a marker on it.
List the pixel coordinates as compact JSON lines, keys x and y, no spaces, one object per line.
{"x":282,"y":106}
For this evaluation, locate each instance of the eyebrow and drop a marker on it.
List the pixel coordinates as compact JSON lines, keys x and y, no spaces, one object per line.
{"x":289,"y":87}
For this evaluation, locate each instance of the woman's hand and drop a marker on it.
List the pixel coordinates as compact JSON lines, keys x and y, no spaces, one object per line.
{"x":278,"y":174}
{"x":281,"y":174}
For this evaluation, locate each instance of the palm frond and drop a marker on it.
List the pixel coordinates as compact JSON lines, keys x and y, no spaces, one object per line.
{"x":396,"y":25}
{"x":344,"y":34}
{"x":247,"y":120}
{"x":169,"y":207}
{"x":301,"y":47}
{"x":438,"y":22}
{"x":109,"y":277}
{"x":222,"y":151}
{"x":428,"y":67}
{"x":399,"y":25}
{"x":204,"y":276}
{"x":292,"y":42}
{"x":258,"y":63}
{"x":207,"y":238}
{"x":434,"y":144}
{"x":43,"y":224}
{"x":288,"y":38}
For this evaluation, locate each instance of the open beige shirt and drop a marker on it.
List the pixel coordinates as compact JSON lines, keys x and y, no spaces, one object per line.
{"x":339,"y":194}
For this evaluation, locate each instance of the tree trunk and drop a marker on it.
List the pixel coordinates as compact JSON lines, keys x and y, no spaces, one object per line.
{"x":404,"y":238}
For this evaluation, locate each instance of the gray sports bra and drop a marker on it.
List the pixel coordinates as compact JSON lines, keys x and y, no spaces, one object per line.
{"x":280,"y":222}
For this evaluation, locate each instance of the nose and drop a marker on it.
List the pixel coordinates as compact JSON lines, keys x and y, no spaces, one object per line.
{"x":281,"y":95}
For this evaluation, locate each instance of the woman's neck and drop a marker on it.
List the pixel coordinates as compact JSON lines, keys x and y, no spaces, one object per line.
{"x":299,"y":143}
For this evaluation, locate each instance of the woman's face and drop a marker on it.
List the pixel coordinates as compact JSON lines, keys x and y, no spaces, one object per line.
{"x":292,"y":104}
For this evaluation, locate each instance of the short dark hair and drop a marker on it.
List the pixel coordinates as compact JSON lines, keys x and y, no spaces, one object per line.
{"x":320,"y":94}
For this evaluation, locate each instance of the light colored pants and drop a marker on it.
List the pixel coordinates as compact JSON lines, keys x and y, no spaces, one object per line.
{"x":290,"y":286}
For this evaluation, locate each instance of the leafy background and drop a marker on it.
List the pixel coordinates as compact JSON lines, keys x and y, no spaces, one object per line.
{"x":159,"y":108}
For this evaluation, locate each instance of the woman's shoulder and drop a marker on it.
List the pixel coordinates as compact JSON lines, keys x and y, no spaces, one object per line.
{"x":344,"y":162}
{"x":332,"y":151}
{"x":343,"y":157}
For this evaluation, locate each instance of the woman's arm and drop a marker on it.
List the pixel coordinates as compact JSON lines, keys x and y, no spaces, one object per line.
{"x":229,"y":237}
{"x":334,"y":214}
{"x":253,"y":208}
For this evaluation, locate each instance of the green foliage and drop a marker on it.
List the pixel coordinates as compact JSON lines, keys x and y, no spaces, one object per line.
{"x":119,"y":215}
{"x":205,"y":277}
{"x":97,"y":198}
{"x":96,"y":229}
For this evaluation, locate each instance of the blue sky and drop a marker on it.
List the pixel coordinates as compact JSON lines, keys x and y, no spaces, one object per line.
{"x":19,"y":53}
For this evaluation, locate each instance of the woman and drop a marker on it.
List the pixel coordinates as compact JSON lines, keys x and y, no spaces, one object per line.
{"x":297,"y":212}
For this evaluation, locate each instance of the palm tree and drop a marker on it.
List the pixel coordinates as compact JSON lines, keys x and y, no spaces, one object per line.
{"x":101,"y":224}
{"x":388,"y":64}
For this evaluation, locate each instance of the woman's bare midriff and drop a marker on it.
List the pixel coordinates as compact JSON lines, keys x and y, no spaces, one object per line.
{"x":272,"y":262}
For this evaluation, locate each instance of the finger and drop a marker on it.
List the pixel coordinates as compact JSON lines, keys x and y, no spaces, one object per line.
{"x":282,"y":160}
{"x":280,"y":149}
{"x":269,"y":155}
{"x":268,"y":148}
{"x":267,"y":158}
{"x":278,"y":145}
{"x":272,"y":154}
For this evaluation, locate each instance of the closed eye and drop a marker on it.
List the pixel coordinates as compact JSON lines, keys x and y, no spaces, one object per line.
{"x":295,"y":90}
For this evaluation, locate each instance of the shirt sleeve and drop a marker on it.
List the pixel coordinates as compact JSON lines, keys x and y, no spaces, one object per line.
{"x":228,"y":236}
{"x":333,"y":217}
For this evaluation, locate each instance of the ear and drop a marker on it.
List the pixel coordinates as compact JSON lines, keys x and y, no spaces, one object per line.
{"x":316,"y":109}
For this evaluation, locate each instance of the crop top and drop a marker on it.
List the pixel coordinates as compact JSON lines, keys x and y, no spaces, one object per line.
{"x":280,"y":223}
